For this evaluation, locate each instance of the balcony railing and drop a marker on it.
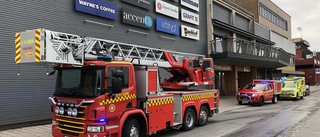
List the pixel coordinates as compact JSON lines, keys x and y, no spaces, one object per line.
{"x":241,"y":46}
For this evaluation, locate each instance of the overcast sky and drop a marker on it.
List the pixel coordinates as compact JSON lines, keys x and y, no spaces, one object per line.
{"x":305,"y":14}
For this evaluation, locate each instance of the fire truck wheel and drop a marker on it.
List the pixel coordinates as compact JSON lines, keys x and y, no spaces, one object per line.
{"x":203,"y":116}
{"x":275,"y":99}
{"x":261,"y":101}
{"x":131,"y":128}
{"x":240,"y":102}
{"x":189,"y":119}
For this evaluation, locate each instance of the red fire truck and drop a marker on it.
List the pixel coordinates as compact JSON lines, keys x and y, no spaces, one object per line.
{"x":260,"y":91}
{"x":105,"y":88}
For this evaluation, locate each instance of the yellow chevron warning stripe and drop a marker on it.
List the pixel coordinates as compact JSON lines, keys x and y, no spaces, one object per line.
{"x":160,"y":102}
{"x":18,"y":55}
{"x":37,"y":47}
{"x":117,"y":99}
{"x":196,"y":97}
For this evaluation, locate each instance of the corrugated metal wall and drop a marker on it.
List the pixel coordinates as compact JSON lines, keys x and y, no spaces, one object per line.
{"x":24,"y":98}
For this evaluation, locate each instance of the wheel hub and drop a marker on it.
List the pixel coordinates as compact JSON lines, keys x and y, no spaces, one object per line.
{"x":134,"y":132}
{"x":203,"y":116}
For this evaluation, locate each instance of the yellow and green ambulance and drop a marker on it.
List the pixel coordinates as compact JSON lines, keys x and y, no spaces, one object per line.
{"x":292,"y":87}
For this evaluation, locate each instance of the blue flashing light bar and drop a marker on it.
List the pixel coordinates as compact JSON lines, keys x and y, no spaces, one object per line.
{"x":59,"y":100}
{"x":263,"y":82}
{"x":102,"y":120}
{"x":105,"y":58}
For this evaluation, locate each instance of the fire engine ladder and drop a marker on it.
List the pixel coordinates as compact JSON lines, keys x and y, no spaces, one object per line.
{"x":88,"y":48}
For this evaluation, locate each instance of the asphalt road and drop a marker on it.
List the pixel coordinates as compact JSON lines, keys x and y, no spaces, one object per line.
{"x":281,"y":119}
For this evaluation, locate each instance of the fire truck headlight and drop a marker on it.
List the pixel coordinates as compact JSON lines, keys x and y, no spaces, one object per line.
{"x":57,"y":110}
{"x":74,"y":112}
{"x":254,"y":95}
{"x":61,"y":110}
{"x":95,"y":129}
{"x":69,"y":112}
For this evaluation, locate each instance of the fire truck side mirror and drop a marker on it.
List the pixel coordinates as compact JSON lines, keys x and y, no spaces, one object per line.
{"x":116,"y":85}
{"x":117,"y":82}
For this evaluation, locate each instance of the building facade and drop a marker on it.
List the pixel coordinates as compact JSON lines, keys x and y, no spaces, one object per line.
{"x":178,"y":25}
{"x":278,"y":22}
{"x":242,"y":49}
{"x":307,"y":61}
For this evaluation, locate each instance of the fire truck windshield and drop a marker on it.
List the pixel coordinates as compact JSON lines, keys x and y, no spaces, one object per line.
{"x":254,"y":86}
{"x":79,"y":82}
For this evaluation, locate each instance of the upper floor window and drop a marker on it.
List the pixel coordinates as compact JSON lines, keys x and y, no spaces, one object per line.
{"x":272,"y":17}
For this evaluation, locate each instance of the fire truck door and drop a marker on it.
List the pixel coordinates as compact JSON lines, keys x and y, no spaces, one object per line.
{"x":117,"y":103}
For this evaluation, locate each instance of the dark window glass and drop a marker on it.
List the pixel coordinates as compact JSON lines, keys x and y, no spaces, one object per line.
{"x":125,"y":78}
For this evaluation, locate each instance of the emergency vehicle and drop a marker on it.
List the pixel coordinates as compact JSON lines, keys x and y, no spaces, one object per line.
{"x":106,"y":88}
{"x":260,"y":91}
{"x":293,"y":87}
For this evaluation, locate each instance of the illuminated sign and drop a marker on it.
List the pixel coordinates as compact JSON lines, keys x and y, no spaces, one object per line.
{"x":167,"y":9}
{"x":190,"y":17}
{"x":136,"y":18}
{"x":190,"y":33}
{"x":167,"y":26}
{"x":192,"y":4}
{"x":97,"y":7}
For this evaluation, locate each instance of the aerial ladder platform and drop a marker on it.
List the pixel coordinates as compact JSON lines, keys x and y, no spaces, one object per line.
{"x":46,"y":47}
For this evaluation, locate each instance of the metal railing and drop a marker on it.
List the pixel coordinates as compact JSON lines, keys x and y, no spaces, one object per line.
{"x":241,"y":46}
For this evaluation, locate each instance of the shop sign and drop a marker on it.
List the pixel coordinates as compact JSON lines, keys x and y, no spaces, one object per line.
{"x":192,"y":4}
{"x":136,"y":18}
{"x":317,"y":70}
{"x":189,"y":32}
{"x":246,"y":69}
{"x":190,"y":17}
{"x":98,"y":7}
{"x":222,"y":68}
{"x":167,"y":26}
{"x":167,"y":9}
{"x":140,"y":3}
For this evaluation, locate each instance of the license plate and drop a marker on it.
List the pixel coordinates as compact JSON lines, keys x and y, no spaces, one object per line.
{"x":245,"y":101}
{"x":66,"y":136}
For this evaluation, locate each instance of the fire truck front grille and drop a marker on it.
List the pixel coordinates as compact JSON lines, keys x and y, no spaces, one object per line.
{"x":69,"y":133}
{"x":69,"y":127}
